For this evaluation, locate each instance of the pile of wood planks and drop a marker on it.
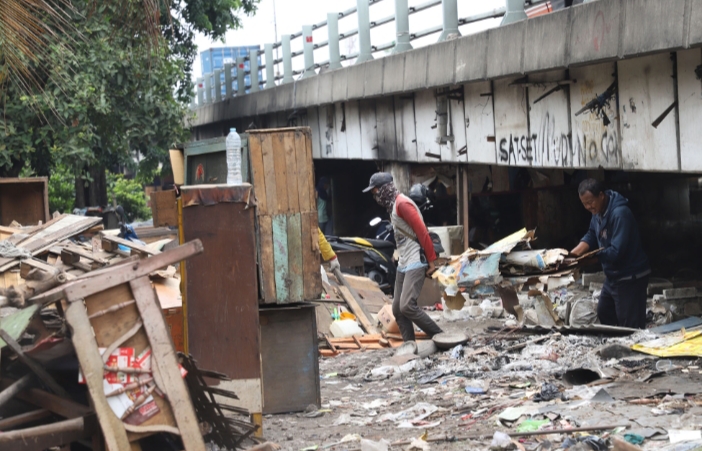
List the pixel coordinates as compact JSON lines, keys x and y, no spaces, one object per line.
{"x":332,"y":347}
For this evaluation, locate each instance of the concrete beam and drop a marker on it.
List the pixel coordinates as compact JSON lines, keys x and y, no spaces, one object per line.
{"x":471,"y":58}
{"x":594,"y":32}
{"x":374,"y":77}
{"x":652,"y":26}
{"x":356,"y":81}
{"x":546,"y":43}
{"x":284,"y":97}
{"x":393,"y":74}
{"x":306,"y":92}
{"x":506,"y":50}
{"x":339,"y":85}
{"x":325,"y":80}
{"x":441,"y":64}
{"x":416,"y":68}
{"x":694,"y":37}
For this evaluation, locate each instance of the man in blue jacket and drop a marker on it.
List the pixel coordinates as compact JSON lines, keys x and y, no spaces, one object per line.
{"x":613,"y":228}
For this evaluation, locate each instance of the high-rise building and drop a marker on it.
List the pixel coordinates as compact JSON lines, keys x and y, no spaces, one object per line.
{"x":216,"y":58}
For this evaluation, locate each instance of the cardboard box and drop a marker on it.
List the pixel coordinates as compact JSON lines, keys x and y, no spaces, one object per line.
{"x":387,"y":319}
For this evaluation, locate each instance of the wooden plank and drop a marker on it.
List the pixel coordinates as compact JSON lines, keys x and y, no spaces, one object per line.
{"x":259,"y":178}
{"x":280,"y":258}
{"x":369,"y":132}
{"x":163,"y":208}
{"x":269,"y":175}
{"x":40,"y":398}
{"x":135,"y":247}
{"x":690,"y":95}
{"x":479,"y":123}
{"x":164,"y":362}
{"x":305,"y":173}
{"x":18,"y":420}
{"x":289,"y":142}
{"x":353,"y":131}
{"x":81,"y":288}
{"x":46,"y":436}
{"x":312,"y":279}
{"x":511,"y":123}
{"x":265,"y":259}
{"x":295,"y":258}
{"x":91,"y":363}
{"x":281,"y":174}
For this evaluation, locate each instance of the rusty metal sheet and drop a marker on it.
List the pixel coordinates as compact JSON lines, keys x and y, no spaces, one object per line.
{"x":222,"y":289}
{"x":215,"y":194}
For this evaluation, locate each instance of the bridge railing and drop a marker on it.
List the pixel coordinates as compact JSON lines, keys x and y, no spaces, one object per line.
{"x":231,"y":80}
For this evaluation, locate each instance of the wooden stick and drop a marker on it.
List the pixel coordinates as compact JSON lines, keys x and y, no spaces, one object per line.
{"x":18,"y":420}
{"x":354,"y":302}
{"x":329,"y":343}
{"x":118,"y":342}
{"x":114,"y":308}
{"x":72,"y":425}
{"x":34,"y":366}
{"x":358,"y":342}
{"x":138,"y":402}
{"x":129,"y":387}
{"x":16,"y":387}
{"x":126,"y":370}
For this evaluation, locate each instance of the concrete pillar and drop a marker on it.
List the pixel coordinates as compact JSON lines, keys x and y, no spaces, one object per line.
{"x":253,"y":65}
{"x":228,"y":85}
{"x":240,"y":74}
{"x":515,"y":12}
{"x":200,"y":86}
{"x":450,"y":11}
{"x":308,"y":49}
{"x":364,"y":41}
{"x":402,"y":34}
{"x":270,"y":67}
{"x":333,"y":29}
{"x":287,"y":59}
{"x":218,"y":85}
{"x":400,"y":176}
{"x":208,"y":88}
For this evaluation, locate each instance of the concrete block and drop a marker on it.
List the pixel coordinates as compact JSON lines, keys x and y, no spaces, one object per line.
{"x":425,"y":348}
{"x":505,"y":51}
{"x":441,"y":63}
{"x":546,"y":43}
{"x":652,"y":26}
{"x":415,"y":73}
{"x":598,"y":277}
{"x":694,"y":36}
{"x":374,"y":77}
{"x":680,"y":293}
{"x":284,"y":95}
{"x":471,"y":57}
{"x":339,"y":85}
{"x":656,"y":286}
{"x":306,"y":92}
{"x":693,"y":308}
{"x":594,"y":32}
{"x":393,"y":73}
{"x":356,"y":79}
{"x":324,"y":85}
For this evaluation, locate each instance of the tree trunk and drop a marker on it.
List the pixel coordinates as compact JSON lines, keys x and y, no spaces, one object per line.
{"x":80,"y":192}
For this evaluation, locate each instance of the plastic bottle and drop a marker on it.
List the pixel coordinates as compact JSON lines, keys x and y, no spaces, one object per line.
{"x":233,"y":144}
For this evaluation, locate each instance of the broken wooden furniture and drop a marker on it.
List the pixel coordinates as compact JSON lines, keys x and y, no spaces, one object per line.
{"x":222,"y":289}
{"x":117,"y":309}
{"x":24,"y":200}
{"x":288,"y":248}
{"x":289,"y":358}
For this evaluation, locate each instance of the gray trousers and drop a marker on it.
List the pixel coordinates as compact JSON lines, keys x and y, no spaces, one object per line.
{"x":408,"y":285}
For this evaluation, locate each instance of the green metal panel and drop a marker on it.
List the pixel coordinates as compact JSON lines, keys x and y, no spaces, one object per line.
{"x":295,"y":257}
{"x":280,"y":258}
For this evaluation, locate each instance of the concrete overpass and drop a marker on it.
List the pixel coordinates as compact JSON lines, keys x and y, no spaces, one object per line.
{"x":476,"y":99}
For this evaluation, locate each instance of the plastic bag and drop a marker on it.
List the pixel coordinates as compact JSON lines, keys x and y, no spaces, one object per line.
{"x":584,"y":313}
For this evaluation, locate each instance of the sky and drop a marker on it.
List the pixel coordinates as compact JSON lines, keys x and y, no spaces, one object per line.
{"x":291,"y":15}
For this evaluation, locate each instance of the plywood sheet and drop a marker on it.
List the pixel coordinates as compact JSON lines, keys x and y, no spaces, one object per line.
{"x":426,"y":120}
{"x":646,"y":90}
{"x":281,"y":172}
{"x":405,"y":133}
{"x":549,"y":140}
{"x":265,"y":258}
{"x":353,"y":131}
{"x":313,"y":121}
{"x":280,"y":258}
{"x":295,"y":267}
{"x":479,"y":123}
{"x":312,"y":279}
{"x":457,"y":129}
{"x":385,"y":121}
{"x":593,"y":143}
{"x":511,"y":124}
{"x":369,"y":133}
{"x":292,"y":172}
{"x":690,"y":104}
{"x":340,"y":131}
{"x":258,"y":173}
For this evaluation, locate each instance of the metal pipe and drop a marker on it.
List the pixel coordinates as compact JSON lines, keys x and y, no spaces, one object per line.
{"x":200,"y":86}
{"x":253,"y":67}
{"x":402,"y":36}
{"x":287,"y":60}
{"x":515,"y":12}
{"x":450,"y":13}
{"x":270,"y":66}
{"x":218,"y":85}
{"x":364,"y":41}
{"x":333,"y":29}
{"x":208,"y":88}
{"x":240,"y":74}
{"x":228,"y":86}
{"x":308,"y":48}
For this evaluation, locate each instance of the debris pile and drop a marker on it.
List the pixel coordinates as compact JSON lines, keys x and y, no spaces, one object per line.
{"x":87,"y":354}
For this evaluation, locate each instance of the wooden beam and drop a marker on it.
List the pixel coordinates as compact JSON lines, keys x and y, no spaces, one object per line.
{"x":16,"y":387}
{"x":40,"y":398}
{"x":18,"y":420}
{"x":466,"y":209}
{"x":34,"y":366}
{"x":39,"y":438}
{"x":163,"y":361}
{"x":355,"y":304}
{"x":113,"y":241}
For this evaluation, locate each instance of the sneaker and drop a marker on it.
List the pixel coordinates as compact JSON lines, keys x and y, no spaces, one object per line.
{"x":407,"y":348}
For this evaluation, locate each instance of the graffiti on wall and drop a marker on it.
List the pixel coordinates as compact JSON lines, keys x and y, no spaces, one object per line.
{"x":589,"y":146}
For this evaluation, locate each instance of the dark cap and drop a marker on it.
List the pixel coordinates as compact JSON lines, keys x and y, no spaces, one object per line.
{"x":378,"y":179}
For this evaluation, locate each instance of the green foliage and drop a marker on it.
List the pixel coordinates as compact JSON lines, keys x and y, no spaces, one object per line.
{"x":130,"y":195}
{"x":62,"y":190}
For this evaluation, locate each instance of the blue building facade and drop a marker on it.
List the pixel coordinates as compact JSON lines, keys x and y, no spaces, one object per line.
{"x":216,"y":58}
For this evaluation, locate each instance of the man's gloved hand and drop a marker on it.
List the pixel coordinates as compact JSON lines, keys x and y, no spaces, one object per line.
{"x":334,"y":264}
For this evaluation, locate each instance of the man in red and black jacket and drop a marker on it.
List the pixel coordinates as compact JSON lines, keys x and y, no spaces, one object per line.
{"x":416,"y":255}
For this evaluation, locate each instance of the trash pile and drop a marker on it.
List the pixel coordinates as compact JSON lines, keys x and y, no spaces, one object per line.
{"x":86,"y":352}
